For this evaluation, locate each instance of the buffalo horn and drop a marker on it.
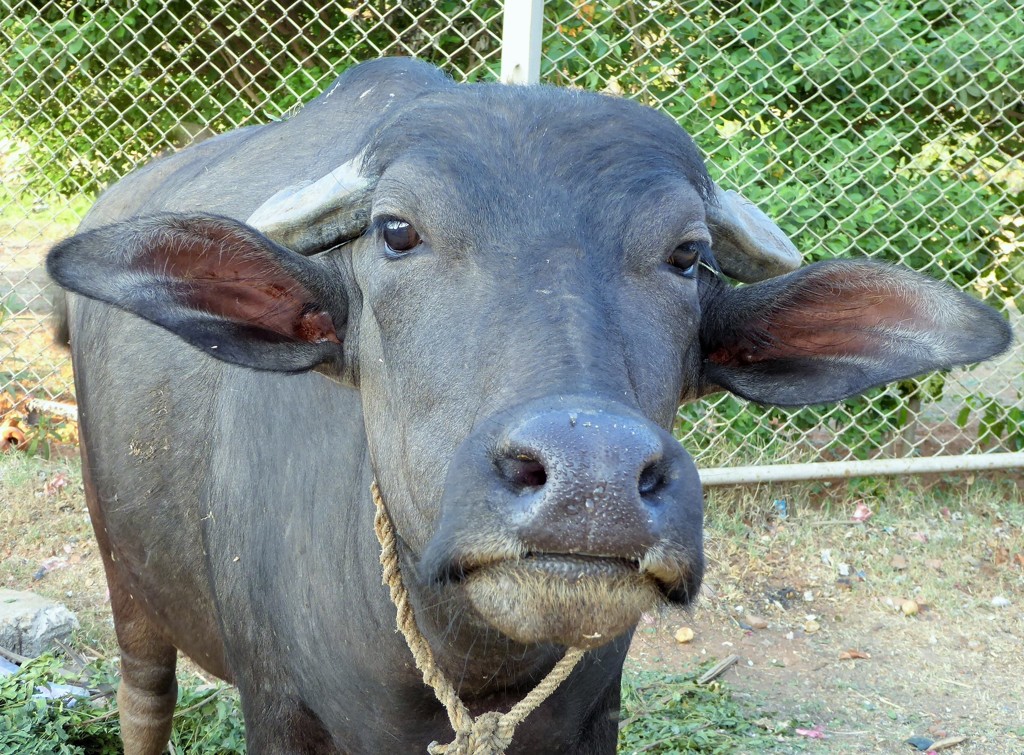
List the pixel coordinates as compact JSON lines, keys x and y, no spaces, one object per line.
{"x":749,"y":247}
{"x":311,"y":217}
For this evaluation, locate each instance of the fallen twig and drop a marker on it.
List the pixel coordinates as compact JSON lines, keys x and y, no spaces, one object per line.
{"x":942,"y":744}
{"x":958,"y":684}
{"x":103,"y":717}
{"x":884,"y":700}
{"x":14,"y":657}
{"x":200,"y":704}
{"x":718,"y":669}
{"x":73,"y":655}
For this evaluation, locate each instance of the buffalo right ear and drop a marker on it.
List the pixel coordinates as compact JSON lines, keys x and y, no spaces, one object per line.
{"x":834,"y":329}
{"x":217,"y":283}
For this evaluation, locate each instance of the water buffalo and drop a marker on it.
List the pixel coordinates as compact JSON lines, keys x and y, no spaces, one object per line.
{"x":492,"y":300}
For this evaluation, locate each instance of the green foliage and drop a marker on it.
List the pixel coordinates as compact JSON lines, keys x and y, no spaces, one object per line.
{"x":883,"y":129}
{"x":891,"y":129}
{"x":661,"y":713}
{"x":101,"y":86}
{"x":44,"y":433}
{"x":207,"y":720}
{"x":735,"y":431}
{"x":999,"y":426}
{"x":671,"y":713}
{"x":32,"y":726}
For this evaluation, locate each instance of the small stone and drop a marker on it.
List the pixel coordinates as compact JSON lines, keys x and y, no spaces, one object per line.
{"x":921,"y":743}
{"x":809,"y":596}
{"x":844,"y":570}
{"x":757,"y":622}
{"x":899,"y":563}
{"x":684,"y":635}
{"x":909,"y":607}
{"x":811,"y":627}
{"x":30,"y":624}
{"x":1000,"y":602}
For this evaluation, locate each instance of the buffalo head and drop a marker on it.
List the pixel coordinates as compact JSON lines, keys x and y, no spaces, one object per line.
{"x":523,"y":284}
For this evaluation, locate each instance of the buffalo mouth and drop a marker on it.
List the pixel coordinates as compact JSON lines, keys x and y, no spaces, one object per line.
{"x":574,"y":600}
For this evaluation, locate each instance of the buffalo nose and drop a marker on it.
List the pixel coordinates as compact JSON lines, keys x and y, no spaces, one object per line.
{"x":593,"y":481}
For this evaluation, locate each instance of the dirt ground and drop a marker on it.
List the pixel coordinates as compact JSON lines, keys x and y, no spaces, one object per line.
{"x":923,"y":677}
{"x":838,"y":657}
{"x":789,"y":597}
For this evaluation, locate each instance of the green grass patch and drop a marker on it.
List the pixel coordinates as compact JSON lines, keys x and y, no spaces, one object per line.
{"x":29,"y":217}
{"x":661,"y":713}
{"x":671,"y":713}
{"x":207,"y":720}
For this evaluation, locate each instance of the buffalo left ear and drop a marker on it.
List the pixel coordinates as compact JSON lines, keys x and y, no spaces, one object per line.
{"x":832,"y":330}
{"x":216,"y":283}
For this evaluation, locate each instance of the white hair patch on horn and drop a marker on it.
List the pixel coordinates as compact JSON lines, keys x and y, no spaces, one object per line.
{"x":747,"y":244}
{"x":305,"y":216}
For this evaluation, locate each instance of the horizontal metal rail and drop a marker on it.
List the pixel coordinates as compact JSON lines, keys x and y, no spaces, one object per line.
{"x":826,"y":470}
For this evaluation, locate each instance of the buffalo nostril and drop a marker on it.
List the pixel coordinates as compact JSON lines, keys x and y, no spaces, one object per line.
{"x":652,"y":479}
{"x":522,"y":471}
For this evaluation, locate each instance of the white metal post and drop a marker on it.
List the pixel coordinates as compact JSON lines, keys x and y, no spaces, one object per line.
{"x":520,"y":41}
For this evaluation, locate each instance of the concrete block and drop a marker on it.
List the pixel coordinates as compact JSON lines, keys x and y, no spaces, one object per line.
{"x":30,"y":623}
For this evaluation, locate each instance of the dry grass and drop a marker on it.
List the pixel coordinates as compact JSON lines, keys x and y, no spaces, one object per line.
{"x":950,"y":544}
{"x":953,"y":543}
{"x":43,"y":523}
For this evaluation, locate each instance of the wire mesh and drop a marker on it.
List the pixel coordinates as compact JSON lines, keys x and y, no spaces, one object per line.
{"x":90,"y":90}
{"x":889,"y":130}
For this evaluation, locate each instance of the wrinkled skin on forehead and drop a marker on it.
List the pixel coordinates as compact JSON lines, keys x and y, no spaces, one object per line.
{"x":510,"y":380}
{"x":508,"y":303}
{"x":529,"y":283}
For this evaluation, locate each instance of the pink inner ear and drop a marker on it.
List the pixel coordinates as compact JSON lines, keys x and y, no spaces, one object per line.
{"x":226,"y":275}
{"x":829,"y":316}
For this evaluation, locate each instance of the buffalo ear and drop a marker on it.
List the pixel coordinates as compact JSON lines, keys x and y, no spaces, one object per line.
{"x":832,"y":330}
{"x":215,"y":282}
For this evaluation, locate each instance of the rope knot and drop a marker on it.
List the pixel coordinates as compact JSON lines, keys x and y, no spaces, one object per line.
{"x":490,"y":733}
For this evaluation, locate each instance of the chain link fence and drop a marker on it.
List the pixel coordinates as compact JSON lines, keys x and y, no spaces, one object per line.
{"x":891,"y":130}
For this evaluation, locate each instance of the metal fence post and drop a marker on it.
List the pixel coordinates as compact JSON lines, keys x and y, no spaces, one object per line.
{"x":520,"y":41}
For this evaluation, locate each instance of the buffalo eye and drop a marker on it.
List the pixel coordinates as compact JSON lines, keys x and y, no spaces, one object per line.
{"x":685,"y":257}
{"x":399,"y":236}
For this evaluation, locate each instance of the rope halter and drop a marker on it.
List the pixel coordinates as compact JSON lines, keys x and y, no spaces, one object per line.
{"x":487,"y":734}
